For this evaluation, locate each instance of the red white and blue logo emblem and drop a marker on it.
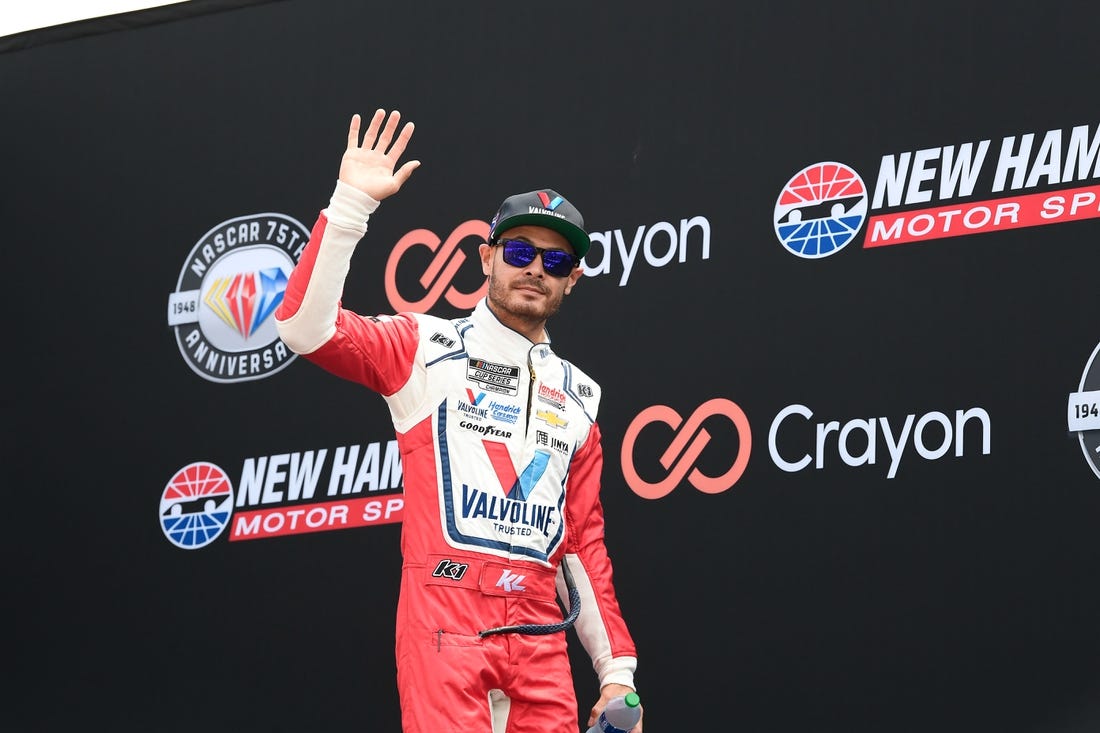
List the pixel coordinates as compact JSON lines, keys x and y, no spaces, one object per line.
{"x":196,"y":505}
{"x":820,"y":210}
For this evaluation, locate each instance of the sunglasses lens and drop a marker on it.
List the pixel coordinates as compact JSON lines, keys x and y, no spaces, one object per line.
{"x":519,"y":254}
{"x":557,"y":263}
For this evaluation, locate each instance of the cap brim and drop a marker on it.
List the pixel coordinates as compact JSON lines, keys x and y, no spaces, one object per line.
{"x":577,"y":237}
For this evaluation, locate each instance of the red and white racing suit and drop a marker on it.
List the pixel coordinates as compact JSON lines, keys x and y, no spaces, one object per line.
{"x":502,"y":459}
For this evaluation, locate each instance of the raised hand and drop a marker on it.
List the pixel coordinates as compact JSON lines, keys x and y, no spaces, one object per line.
{"x":369,"y":166}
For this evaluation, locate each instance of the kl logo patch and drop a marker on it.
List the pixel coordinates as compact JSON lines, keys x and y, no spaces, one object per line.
{"x":510,"y":581}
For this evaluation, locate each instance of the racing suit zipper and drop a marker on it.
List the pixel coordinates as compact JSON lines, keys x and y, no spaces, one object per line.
{"x":530,"y":395}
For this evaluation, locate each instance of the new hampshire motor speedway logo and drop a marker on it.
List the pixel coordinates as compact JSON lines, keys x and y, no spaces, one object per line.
{"x":1083,"y":411}
{"x":230,"y":285}
{"x":952,"y":190}
{"x":281,"y":495}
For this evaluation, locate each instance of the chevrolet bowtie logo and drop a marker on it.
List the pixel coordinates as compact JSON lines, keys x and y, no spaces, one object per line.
{"x":551,"y":418}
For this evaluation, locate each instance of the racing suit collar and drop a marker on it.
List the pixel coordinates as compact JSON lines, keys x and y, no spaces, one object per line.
{"x":483,"y":317}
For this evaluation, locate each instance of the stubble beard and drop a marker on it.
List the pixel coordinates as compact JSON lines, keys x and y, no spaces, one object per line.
{"x":505,"y":300}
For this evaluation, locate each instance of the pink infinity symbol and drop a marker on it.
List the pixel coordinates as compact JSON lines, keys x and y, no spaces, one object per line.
{"x":437,"y":279}
{"x":686,"y":447}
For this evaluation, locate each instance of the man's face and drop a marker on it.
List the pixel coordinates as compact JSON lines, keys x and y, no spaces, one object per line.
{"x":527,"y":292}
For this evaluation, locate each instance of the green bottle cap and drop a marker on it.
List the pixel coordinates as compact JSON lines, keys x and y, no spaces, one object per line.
{"x":632,"y":700}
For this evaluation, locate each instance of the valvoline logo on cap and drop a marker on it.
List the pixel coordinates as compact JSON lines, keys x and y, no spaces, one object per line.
{"x":549,"y":203}
{"x":820,"y":210}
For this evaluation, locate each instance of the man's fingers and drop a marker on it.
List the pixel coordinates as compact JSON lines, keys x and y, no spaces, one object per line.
{"x":402,"y":140}
{"x":387,"y":132}
{"x":372,"y":128}
{"x":373,"y":139}
{"x":353,"y":132}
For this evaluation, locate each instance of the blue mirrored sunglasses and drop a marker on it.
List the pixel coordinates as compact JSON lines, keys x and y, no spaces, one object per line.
{"x":556,"y":262}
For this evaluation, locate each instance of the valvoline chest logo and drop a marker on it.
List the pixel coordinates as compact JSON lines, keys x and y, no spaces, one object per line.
{"x":223,"y":307}
{"x":820,"y":210}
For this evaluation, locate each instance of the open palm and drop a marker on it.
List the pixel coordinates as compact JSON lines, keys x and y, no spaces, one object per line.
{"x":370,"y":166}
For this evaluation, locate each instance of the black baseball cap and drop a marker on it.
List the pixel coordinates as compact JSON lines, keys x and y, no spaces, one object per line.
{"x":543,"y":208}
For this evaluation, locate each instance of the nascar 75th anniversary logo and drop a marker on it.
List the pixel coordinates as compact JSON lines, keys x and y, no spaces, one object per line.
{"x":230,"y":285}
{"x":1083,"y":411}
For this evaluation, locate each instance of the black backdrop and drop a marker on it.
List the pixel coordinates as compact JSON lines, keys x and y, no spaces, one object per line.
{"x":958,"y":594}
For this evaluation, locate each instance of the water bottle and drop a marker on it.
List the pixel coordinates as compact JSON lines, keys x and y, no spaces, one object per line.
{"x":620,"y":715}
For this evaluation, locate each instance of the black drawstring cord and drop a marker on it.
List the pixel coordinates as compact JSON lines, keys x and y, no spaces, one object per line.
{"x":542,"y":629}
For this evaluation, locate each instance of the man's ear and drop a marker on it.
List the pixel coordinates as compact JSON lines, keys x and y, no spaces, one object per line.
{"x":573,"y":278}
{"x":486,"y":253}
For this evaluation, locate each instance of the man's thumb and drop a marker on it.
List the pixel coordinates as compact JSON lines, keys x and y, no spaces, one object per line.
{"x":405,"y":171}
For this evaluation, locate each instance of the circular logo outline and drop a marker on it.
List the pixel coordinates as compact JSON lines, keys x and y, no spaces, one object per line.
{"x":193,"y":297}
{"x":1093,"y":457}
{"x":203,"y":486}
{"x":818,"y":191}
